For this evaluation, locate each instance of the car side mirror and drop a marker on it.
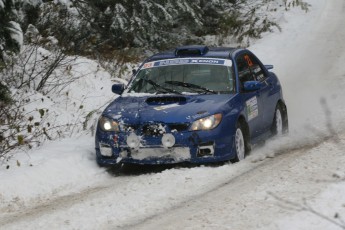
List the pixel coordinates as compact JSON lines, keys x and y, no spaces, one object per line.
{"x":268,"y":67}
{"x":118,"y":88}
{"x":252,"y":85}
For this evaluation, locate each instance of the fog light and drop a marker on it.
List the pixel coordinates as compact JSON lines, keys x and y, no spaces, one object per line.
{"x":168,"y":140}
{"x":133,"y":141}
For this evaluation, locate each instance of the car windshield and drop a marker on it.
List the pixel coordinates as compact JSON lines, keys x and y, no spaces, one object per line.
{"x":184,"y":78}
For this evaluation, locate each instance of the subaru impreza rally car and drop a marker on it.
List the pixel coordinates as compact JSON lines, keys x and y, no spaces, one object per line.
{"x":192,"y":104}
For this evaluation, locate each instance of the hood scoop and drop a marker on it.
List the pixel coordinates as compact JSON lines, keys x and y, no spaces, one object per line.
{"x":165,"y":100}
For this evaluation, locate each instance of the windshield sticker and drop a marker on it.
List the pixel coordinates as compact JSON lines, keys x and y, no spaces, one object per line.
{"x":252,"y":108}
{"x":163,"y":107}
{"x":186,"y":61}
{"x":148,"y":65}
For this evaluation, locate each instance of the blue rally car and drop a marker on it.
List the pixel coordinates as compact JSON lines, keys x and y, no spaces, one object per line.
{"x":192,"y":104}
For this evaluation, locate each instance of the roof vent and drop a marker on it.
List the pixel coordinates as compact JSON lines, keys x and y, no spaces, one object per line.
{"x":191,"y":51}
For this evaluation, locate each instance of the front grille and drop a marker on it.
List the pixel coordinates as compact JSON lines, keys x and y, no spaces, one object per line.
{"x":130,"y":128}
{"x":156,"y":129}
{"x":153,"y":130}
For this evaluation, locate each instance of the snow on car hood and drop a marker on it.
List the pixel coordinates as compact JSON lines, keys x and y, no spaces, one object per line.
{"x":166,"y":108}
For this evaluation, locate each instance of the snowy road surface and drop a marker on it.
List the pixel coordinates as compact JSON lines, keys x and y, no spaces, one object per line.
{"x":295,"y":182}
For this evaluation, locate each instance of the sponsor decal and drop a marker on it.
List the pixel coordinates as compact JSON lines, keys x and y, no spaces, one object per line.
{"x":186,"y":61}
{"x":260,"y":77}
{"x":252,"y":108}
{"x":190,"y":61}
{"x":257,"y":70}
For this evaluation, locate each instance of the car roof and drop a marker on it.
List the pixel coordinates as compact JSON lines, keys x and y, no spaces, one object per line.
{"x":195,"y":51}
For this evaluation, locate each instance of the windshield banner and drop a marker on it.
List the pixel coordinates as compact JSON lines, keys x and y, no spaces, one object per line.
{"x":186,"y":61}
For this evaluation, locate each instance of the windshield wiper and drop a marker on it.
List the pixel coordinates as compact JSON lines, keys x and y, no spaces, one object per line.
{"x":158,"y":86}
{"x":191,"y":86}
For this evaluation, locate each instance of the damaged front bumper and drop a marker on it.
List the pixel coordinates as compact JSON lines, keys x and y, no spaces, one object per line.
{"x":175,"y":147}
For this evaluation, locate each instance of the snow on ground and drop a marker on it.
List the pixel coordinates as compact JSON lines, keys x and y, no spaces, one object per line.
{"x":60,"y":186}
{"x":308,"y":57}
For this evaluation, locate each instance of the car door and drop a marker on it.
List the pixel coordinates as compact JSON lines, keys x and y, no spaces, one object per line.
{"x":266,"y":92}
{"x":251,"y":99}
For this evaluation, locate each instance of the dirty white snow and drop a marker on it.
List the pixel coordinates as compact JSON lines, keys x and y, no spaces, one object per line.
{"x":295,"y":182}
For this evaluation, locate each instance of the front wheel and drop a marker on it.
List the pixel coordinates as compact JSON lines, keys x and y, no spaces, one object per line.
{"x":241,"y":143}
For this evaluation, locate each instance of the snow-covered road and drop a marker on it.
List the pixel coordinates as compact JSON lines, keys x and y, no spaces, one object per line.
{"x":255,"y":199}
{"x":295,"y":182}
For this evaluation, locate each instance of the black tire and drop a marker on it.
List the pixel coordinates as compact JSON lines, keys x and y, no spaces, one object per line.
{"x":241,"y":142}
{"x":280,"y":121}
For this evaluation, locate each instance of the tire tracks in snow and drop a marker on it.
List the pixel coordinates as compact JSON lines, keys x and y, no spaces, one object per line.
{"x":50,"y":205}
{"x":280,"y":157}
{"x":65,"y":202}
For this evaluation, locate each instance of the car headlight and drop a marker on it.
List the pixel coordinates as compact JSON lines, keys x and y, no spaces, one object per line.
{"x":207,"y":123}
{"x":107,"y":124}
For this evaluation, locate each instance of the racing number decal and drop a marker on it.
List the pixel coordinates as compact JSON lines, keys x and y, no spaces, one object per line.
{"x":249,"y":61}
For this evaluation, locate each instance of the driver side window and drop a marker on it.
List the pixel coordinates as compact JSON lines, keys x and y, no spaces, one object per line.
{"x":244,"y":72}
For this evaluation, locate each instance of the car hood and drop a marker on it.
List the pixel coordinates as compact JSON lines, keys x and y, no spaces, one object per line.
{"x":166,"y":108}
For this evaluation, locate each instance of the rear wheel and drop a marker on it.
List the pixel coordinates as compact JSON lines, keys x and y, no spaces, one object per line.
{"x":277,"y":126}
{"x":280,"y":123}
